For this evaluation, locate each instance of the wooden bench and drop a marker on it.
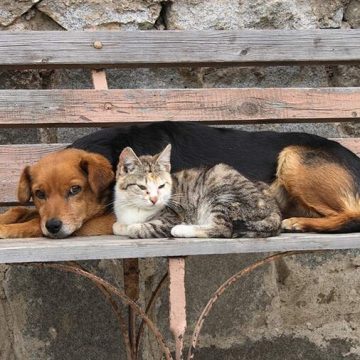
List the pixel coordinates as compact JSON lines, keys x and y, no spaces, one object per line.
{"x":103,"y":107}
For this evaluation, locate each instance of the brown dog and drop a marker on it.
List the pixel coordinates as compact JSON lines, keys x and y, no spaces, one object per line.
{"x":68,"y":188}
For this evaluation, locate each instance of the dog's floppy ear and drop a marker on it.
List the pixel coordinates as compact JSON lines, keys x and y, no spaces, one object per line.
{"x":99,"y":172}
{"x":24,"y":186}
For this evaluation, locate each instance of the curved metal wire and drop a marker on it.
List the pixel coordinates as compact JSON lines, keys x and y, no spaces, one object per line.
{"x":121,"y":321}
{"x":150,"y":305}
{"x":116,"y":292}
{"x":116,"y":310}
{"x":222,"y":288}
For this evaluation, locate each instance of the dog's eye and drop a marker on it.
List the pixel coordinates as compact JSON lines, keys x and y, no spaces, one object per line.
{"x":161,"y":186}
{"x":40,"y":194}
{"x":74,"y":190}
{"x":142,"y":187}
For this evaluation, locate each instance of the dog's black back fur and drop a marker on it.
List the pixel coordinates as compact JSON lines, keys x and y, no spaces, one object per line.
{"x":254,"y":154}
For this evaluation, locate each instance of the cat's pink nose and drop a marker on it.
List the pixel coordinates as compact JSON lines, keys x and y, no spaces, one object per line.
{"x":153,"y":199}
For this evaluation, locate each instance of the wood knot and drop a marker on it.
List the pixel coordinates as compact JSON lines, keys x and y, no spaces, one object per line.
{"x":97,"y":44}
{"x":317,"y":41}
{"x":249,"y":108}
{"x":244,"y":52}
{"x":108,"y":106}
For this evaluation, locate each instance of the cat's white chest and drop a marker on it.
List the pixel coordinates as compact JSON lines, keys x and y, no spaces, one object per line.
{"x":127,"y":215}
{"x":132,"y":215}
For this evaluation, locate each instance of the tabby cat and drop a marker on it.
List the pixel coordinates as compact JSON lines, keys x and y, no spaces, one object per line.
{"x":209,"y":202}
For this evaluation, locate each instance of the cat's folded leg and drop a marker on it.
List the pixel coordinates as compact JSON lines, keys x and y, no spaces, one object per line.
{"x":256,"y":213}
{"x":217,"y":224}
{"x":201,"y":231}
{"x":152,"y":229}
{"x":187,"y":231}
{"x":269,"y":226}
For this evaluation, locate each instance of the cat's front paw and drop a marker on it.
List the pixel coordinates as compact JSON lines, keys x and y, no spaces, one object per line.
{"x":138,"y":231}
{"x":183,"y":231}
{"x":120,"y":229}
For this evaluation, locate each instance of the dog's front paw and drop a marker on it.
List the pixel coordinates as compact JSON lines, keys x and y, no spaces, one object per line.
{"x":120,"y":229}
{"x":3,"y":233}
{"x":6,"y":233}
{"x":292,"y":224}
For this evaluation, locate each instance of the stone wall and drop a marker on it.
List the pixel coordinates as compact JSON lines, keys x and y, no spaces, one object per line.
{"x":305,"y":307}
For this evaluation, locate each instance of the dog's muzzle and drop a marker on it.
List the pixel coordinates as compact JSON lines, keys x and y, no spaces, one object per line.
{"x":53,"y":226}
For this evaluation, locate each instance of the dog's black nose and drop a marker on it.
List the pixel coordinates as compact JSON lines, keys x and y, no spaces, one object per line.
{"x":54,"y":225}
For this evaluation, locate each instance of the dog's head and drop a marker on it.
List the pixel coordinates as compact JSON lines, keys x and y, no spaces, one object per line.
{"x":68,"y":187}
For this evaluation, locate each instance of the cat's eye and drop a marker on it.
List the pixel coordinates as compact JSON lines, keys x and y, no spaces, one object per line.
{"x":161,"y":186}
{"x":40,"y":194}
{"x":75,"y":189}
{"x":142,"y":187}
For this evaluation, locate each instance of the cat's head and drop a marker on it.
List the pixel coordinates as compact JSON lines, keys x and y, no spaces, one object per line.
{"x":145,"y":181}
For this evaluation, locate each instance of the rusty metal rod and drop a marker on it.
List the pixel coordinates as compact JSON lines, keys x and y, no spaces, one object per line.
{"x":131,"y":288}
{"x":116,"y":310}
{"x":149,"y":307}
{"x":223,"y":287}
{"x":121,"y":321}
{"x":114,"y":291}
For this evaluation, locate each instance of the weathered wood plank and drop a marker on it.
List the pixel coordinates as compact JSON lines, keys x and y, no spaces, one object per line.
{"x":13,"y":158}
{"x":51,"y":49}
{"x":112,"y":247}
{"x":108,"y":107}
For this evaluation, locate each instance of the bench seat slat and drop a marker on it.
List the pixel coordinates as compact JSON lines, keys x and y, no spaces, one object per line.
{"x":13,"y":158}
{"x":112,"y":247}
{"x":36,"y":108}
{"x":49,"y":49}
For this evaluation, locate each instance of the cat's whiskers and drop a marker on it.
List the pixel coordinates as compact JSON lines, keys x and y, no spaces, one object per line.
{"x":110,"y":203}
{"x":122,"y":203}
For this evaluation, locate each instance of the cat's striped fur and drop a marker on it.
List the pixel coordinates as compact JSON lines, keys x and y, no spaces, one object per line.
{"x":208,"y":202}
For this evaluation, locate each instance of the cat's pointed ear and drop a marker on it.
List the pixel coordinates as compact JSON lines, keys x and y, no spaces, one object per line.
{"x":128,"y":161}
{"x":163,"y":159}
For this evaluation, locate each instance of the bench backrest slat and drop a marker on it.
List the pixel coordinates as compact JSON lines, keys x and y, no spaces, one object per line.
{"x":107,"y":107}
{"x":51,"y":49}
